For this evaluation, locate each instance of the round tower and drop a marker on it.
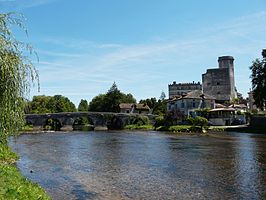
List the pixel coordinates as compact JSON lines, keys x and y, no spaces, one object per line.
{"x":226,"y":62}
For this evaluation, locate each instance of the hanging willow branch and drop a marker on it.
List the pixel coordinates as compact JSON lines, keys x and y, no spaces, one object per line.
{"x":17,"y":73}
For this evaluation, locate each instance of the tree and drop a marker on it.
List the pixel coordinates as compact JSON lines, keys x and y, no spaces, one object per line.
{"x":51,"y":104}
{"x":110,"y":101}
{"x":258,"y":76}
{"x":59,"y":103}
{"x":159,"y":108}
{"x":113,"y":99}
{"x":202,"y":122}
{"x":39,"y":104}
{"x":150,"y":102}
{"x":17,"y":73}
{"x":163,"y":96}
{"x":83,"y":106}
{"x":97,"y":103}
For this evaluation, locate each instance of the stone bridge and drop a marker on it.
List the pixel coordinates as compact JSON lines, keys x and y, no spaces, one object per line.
{"x":99,"y":120}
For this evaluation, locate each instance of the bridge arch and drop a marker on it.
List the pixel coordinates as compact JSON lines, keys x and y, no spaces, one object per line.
{"x":83,"y":123}
{"x":115,"y":123}
{"x":52,"y":124}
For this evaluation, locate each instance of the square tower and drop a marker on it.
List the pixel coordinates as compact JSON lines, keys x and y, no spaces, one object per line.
{"x":220,"y":82}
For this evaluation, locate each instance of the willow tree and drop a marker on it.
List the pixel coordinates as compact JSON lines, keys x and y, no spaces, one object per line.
{"x":17,"y":73}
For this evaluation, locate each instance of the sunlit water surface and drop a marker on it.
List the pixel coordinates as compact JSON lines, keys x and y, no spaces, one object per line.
{"x":144,"y":165}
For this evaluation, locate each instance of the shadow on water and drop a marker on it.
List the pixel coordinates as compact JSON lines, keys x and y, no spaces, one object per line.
{"x":80,"y":193}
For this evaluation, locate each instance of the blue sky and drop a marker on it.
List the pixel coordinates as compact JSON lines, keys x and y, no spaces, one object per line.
{"x":142,"y":45}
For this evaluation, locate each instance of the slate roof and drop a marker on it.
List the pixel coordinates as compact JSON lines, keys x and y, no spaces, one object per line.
{"x":195,"y":94}
{"x":138,"y":106}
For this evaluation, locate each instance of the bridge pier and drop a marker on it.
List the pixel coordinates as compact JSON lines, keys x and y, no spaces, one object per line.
{"x":100,"y":128}
{"x":37,"y":128}
{"x":66,"y":128}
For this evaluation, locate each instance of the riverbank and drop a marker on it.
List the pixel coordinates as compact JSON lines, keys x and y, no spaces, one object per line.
{"x":12,"y":184}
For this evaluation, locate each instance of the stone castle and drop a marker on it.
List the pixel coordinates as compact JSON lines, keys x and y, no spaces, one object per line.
{"x":218,"y":82}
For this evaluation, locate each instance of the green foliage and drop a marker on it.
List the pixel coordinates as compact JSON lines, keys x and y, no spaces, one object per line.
{"x":174,"y":117}
{"x":139,"y":127}
{"x":15,"y":186}
{"x":238,"y":112}
{"x":52,"y":124}
{"x":159,"y":121}
{"x":198,"y":121}
{"x":27,"y":127}
{"x":142,"y":120}
{"x":48,"y":104}
{"x":39,"y":104}
{"x":6,"y":155}
{"x":16,"y":75}
{"x":113,"y":99}
{"x":258,"y":76}
{"x":203,"y":112}
{"x":12,"y":184}
{"x":97,"y":103}
{"x":176,"y":128}
{"x":157,"y":107}
{"x":110,"y":101}
{"x":150,"y":102}
{"x":83,"y":106}
{"x":59,"y":103}
{"x":82,"y":121}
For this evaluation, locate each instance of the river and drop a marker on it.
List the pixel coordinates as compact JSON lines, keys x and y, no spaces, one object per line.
{"x":144,"y":165}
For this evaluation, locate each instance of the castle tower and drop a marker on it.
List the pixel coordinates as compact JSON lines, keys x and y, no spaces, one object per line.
{"x":220,"y":82}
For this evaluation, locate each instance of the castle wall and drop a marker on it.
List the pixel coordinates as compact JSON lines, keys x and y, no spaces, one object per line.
{"x":179,"y":89}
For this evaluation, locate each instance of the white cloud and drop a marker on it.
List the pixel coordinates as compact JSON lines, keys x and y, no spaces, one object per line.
{"x":146,"y":69}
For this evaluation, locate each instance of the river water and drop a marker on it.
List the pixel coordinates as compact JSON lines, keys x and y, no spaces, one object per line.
{"x":144,"y":165}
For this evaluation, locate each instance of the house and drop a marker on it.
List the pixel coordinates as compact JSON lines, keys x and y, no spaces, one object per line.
{"x":239,"y":107}
{"x":191,"y":102}
{"x":134,"y":108}
{"x":222,"y":116}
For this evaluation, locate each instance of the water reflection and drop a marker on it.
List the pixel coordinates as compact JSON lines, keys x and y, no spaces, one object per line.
{"x":144,"y":165}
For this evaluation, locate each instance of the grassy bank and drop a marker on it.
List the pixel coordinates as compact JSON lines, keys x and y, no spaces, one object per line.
{"x":12,"y":184}
{"x":139,"y":127}
{"x":181,"y":129}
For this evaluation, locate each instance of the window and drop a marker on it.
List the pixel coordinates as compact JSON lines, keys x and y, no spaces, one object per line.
{"x":182,"y":105}
{"x":193,"y":105}
{"x":218,"y":83}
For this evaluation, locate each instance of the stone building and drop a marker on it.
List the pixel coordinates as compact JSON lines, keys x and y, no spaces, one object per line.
{"x":179,"y":89}
{"x":134,"y":108}
{"x":190,"y":102}
{"x":220,"y":82}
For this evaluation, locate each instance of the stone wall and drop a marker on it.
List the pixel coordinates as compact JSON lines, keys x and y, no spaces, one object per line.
{"x":219,"y":82}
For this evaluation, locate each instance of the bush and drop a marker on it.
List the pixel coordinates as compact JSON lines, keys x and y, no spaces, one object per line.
{"x":173,"y":117}
{"x":139,"y":127}
{"x":198,"y":121}
{"x":159,"y":121}
{"x":139,"y":120}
